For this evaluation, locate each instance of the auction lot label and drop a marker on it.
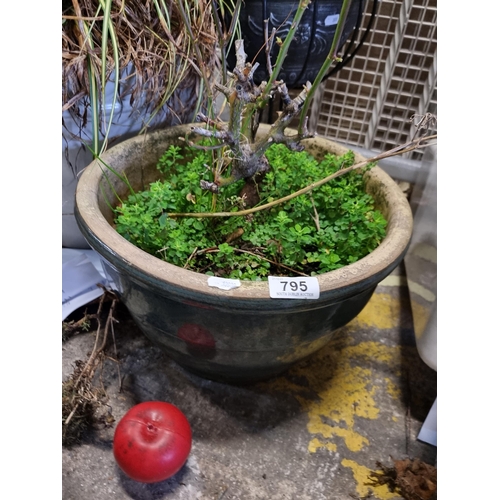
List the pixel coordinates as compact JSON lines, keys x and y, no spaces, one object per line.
{"x":293,"y":288}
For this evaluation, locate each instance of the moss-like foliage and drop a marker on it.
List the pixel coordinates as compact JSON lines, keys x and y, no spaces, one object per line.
{"x":328,"y":228}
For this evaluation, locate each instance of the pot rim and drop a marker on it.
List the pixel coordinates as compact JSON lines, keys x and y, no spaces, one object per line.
{"x":145,"y":267}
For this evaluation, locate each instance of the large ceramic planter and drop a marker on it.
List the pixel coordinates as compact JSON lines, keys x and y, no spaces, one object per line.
{"x":242,"y":334}
{"x":312,"y":41}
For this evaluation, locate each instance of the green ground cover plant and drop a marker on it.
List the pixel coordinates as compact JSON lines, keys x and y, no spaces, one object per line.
{"x":319,"y":231}
{"x":216,"y":209}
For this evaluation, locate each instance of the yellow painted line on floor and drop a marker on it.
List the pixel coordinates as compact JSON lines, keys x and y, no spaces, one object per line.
{"x":334,"y":413}
{"x":421,"y":315}
{"x":392,"y":388}
{"x":382,"y":311}
{"x":361,"y":476}
{"x":315,"y":444}
{"x":341,"y":389}
{"x":333,"y":408}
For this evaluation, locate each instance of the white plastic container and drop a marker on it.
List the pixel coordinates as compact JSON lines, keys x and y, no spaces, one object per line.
{"x":127,"y":121}
{"x":421,"y":272}
{"x":421,"y":259}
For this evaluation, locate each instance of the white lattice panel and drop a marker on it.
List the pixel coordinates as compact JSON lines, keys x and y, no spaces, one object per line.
{"x":369,"y":102}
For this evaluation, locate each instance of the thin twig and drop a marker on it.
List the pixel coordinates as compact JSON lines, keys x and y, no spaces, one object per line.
{"x":193,"y":253}
{"x":90,"y":367}
{"x":94,"y":352}
{"x":116,"y":353}
{"x":407,"y":429}
{"x":83,"y":323}
{"x":269,"y":40}
{"x":70,"y":416}
{"x":408,"y":413}
{"x":315,"y":217}
{"x":423,"y":122}
{"x":239,"y":250}
{"x":271,"y":261}
{"x":405,"y":148}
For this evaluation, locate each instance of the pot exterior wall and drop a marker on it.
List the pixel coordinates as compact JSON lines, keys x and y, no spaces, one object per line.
{"x":240,"y":335}
{"x":225,"y":343}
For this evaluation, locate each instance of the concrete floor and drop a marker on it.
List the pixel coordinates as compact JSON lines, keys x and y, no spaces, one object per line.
{"x":314,"y":433}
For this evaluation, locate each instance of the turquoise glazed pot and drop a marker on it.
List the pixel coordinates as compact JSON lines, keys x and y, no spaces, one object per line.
{"x":239,"y":335}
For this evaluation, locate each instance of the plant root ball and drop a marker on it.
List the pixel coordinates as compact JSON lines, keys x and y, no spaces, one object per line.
{"x":152,"y":441}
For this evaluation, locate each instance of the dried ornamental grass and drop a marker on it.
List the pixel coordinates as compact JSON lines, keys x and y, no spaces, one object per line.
{"x":158,"y":46}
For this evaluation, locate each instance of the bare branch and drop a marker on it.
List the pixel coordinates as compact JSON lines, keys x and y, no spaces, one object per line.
{"x":216,"y":134}
{"x":269,"y":40}
{"x":421,"y":142}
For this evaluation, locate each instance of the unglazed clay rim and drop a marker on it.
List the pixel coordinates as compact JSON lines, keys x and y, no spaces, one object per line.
{"x":392,"y":247}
